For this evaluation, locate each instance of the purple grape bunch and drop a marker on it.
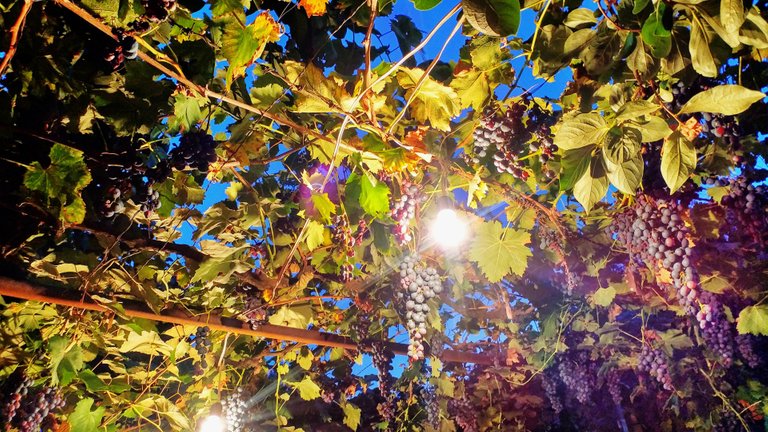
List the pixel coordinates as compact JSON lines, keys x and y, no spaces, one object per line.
{"x":655,"y":363}
{"x":656,"y":235}
{"x":27,"y":408}
{"x":403,"y":211}
{"x":417,"y":284}
{"x":716,"y":330}
{"x":577,"y":374}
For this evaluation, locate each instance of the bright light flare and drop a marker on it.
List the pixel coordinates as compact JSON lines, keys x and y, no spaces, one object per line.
{"x":449,"y":230}
{"x":213,"y":423}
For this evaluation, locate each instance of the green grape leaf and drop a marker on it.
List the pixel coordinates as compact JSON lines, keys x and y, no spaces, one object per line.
{"x":493,"y":17}
{"x":187,"y":112}
{"x":67,"y":174}
{"x":573,"y":165}
{"x":82,"y":419}
{"x":580,"y":130}
{"x":652,"y":128}
{"x":753,"y":320}
{"x":307,"y":388}
{"x":593,"y":184}
{"x":324,"y":206}
{"x":65,"y":360}
{"x":473,"y":88}
{"x":678,"y":160}
{"x":726,"y":99}
{"x":374,"y":196}
{"x":146,"y":342}
{"x":656,"y":35}
{"x":295,"y":316}
{"x":74,"y":211}
{"x":604,"y":296}
{"x":432,"y":102}
{"x":627,"y":175}
{"x":315,"y":235}
{"x":242,"y":45}
{"x":424,"y":5}
{"x":499,"y":251}
{"x":351,"y":415}
{"x":622,"y":144}
{"x":701,"y":54}
{"x":732,"y":15}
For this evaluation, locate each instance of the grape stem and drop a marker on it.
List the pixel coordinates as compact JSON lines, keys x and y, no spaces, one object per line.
{"x":15,"y":32}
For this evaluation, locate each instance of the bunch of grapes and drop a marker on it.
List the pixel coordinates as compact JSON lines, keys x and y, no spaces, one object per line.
{"x":431,"y":405}
{"x":382,"y":356}
{"x":201,"y":342}
{"x":196,"y":149}
{"x":27,"y":408}
{"x":417,"y":284}
{"x":234,"y":407}
{"x":147,"y":197}
{"x":403,"y":210}
{"x":465,"y":415}
{"x":613,"y":383}
{"x":653,"y":361}
{"x":656,"y":234}
{"x":158,"y":10}
{"x":578,"y":376}
{"x":727,"y":422}
{"x":746,"y":346}
{"x":116,"y":53}
{"x":716,"y":331}
{"x":509,"y":134}
{"x":540,"y":124}
{"x":747,"y":205}
{"x":550,"y":389}
{"x":255,"y":313}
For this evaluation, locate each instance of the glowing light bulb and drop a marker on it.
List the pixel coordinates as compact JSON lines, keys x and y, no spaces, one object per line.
{"x":449,"y":230}
{"x":213,"y":423}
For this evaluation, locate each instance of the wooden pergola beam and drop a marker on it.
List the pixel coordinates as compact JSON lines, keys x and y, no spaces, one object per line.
{"x":28,"y":291}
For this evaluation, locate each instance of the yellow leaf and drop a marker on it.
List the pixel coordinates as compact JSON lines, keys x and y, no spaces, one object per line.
{"x":313,"y":7}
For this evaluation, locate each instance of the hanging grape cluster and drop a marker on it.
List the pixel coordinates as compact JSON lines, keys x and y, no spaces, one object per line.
{"x":234,"y":407}
{"x":655,"y":234}
{"x":431,"y":405}
{"x":654,"y":361}
{"x":578,"y":374}
{"x":345,"y":241}
{"x":716,"y":330}
{"x":417,"y":284}
{"x":196,"y":149}
{"x":117,"y":52}
{"x":746,"y":347}
{"x":403,"y":211}
{"x":508,"y":134}
{"x":27,"y":408}
{"x":613,"y":383}
{"x":550,"y":383}
{"x":201,"y":342}
{"x":464,"y":414}
{"x":509,"y":137}
{"x":747,"y":206}
{"x":381,"y":357}
{"x":157,"y":10}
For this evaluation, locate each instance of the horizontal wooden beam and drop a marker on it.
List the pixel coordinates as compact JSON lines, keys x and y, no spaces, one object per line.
{"x":28,"y":291}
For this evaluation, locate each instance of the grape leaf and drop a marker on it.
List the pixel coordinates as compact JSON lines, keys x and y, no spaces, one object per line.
{"x":726,"y":99}
{"x":82,"y":419}
{"x":432,"y":102}
{"x":678,"y":160}
{"x":307,"y":388}
{"x":753,"y":320}
{"x":500,"y":251}
{"x":351,"y":415}
{"x":580,"y":130}
{"x":604,"y":296}
{"x":656,"y":35}
{"x":374,"y":196}
{"x":701,"y":53}
{"x":315,"y":235}
{"x":593,"y":184}
{"x":493,"y":17}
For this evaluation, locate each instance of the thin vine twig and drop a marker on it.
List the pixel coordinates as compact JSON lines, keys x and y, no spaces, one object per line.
{"x":15,"y":32}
